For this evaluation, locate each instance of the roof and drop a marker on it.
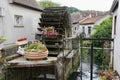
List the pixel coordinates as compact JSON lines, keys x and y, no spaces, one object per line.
{"x":28,"y":3}
{"x":75,"y":18}
{"x":91,"y":20}
{"x":114,"y":5}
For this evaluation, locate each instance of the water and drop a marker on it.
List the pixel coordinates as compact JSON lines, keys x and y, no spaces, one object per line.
{"x":86,"y":72}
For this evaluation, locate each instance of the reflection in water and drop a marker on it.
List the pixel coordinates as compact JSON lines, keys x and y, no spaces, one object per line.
{"x":86,"y":72}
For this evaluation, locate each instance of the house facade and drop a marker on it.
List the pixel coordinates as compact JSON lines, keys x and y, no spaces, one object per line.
{"x":115,"y":11}
{"x":87,"y":25}
{"x":18,"y":18}
{"x":75,"y":24}
{"x":85,"y":21}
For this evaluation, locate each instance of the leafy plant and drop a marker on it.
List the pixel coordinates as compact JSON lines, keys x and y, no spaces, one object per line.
{"x":50,"y":28}
{"x":104,"y":30}
{"x":50,"y":32}
{"x":36,"y":47}
{"x":2,"y":39}
{"x":48,"y":3}
{"x":107,"y":75}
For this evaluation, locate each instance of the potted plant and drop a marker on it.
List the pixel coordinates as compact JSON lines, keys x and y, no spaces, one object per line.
{"x":106,"y":75}
{"x":36,"y":51}
{"x":50,"y":32}
{"x":22,"y":41}
{"x":2,"y":39}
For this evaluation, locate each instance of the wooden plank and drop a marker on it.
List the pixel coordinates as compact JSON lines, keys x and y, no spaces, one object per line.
{"x":52,"y":23}
{"x":22,"y":62}
{"x":52,"y":14}
{"x":71,"y":55}
{"x":58,"y":25}
{"x":53,"y":46}
{"x":54,"y":40}
{"x":50,"y":20}
{"x":64,"y":53}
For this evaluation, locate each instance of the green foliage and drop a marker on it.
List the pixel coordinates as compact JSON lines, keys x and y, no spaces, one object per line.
{"x":3,"y":71}
{"x":85,"y":51}
{"x":48,"y":3}
{"x":36,"y":47}
{"x":103,"y":30}
{"x":2,"y":39}
{"x":86,"y":43}
{"x":74,"y":10}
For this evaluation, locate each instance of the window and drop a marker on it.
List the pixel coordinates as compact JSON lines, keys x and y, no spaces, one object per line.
{"x":115,"y":20}
{"x":18,"y":20}
{"x":83,"y":29}
{"x":89,"y":30}
{"x":2,"y":12}
{"x":75,"y":28}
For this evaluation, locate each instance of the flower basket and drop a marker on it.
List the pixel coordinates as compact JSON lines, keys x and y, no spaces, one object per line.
{"x":50,"y":32}
{"x":36,"y":51}
{"x":22,"y":41}
{"x":36,"y":55}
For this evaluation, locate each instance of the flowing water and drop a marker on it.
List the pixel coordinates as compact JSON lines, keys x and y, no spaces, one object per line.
{"x":86,"y":72}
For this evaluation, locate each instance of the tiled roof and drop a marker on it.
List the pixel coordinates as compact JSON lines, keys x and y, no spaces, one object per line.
{"x":91,"y":20}
{"x":115,"y":5}
{"x":76,"y":18}
{"x":84,"y":15}
{"x":28,"y":3}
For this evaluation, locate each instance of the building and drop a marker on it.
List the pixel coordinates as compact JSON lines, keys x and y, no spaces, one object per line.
{"x":18,"y":18}
{"x":87,"y":25}
{"x":85,"y":21}
{"x":75,"y":18}
{"x":115,"y":11}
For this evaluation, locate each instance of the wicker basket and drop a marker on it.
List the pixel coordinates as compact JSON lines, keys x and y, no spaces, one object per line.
{"x":36,"y":55}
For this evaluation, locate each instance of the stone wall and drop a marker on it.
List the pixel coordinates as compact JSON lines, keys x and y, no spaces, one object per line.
{"x":70,"y":64}
{"x":10,"y":50}
{"x":5,"y":52}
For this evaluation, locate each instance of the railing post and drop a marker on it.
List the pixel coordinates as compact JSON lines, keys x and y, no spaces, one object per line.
{"x":81,"y":45}
{"x":91,"y":62}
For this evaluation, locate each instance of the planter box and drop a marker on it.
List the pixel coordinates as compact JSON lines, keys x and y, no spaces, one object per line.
{"x":36,"y":55}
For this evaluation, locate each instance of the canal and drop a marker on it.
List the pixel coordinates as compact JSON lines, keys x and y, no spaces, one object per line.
{"x":86,"y":72}
{"x":90,"y":65}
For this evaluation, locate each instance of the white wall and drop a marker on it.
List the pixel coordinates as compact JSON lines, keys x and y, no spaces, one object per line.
{"x":102,"y":19}
{"x":116,"y":41}
{"x":86,"y":29}
{"x":75,"y":30}
{"x":2,"y":5}
{"x":30,"y":22}
{"x":92,"y":26}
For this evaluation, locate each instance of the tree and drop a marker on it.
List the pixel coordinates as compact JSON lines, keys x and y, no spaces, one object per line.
{"x":73,"y":10}
{"x":48,"y":3}
{"x":104,"y":30}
